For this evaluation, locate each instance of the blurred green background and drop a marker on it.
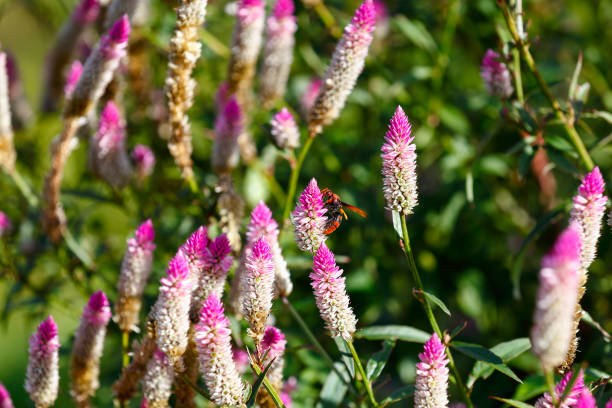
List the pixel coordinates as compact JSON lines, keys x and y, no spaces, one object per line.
{"x":467,"y":248}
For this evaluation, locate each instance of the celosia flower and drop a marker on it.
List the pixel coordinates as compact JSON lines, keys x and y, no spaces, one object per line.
{"x":609,"y":404}
{"x":570,"y":399}
{"x":330,"y":294}
{"x":258,"y":284}
{"x":108,"y":156}
{"x":135,"y":271}
{"x":171,"y":311}
{"x":399,"y":165}
{"x":273,"y":347}
{"x":431,"y":386}
{"x":310,"y":95}
{"x":586,"y":399}
{"x":184,"y":52}
{"x":7,"y":149}
{"x":556,"y":300}
{"x":144,"y":161}
{"x":5,"y":224}
{"x":309,"y":219}
{"x":346,"y":65}
{"x":278,"y":52}
{"x":241,"y":359}
{"x":230,"y":208}
{"x":42,"y":375}
{"x":496,"y":76}
{"x":216,"y":363}
{"x":87,"y":349}
{"x":157,"y":381}
{"x":285,"y":131}
{"x":193,"y":249}
{"x":5,"y":398}
{"x":72,"y":77}
{"x":228,"y":127}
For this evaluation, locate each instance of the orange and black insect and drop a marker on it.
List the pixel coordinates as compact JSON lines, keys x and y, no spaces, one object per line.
{"x":335,"y":210}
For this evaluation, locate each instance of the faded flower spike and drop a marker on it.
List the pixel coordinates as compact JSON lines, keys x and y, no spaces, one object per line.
{"x":431,"y":387}
{"x":144,"y":161}
{"x":556,"y":300}
{"x":330,"y":294}
{"x":346,"y":65}
{"x":108,"y":156}
{"x":5,"y":224}
{"x":278,"y":52}
{"x":496,"y":76}
{"x":285,"y":131}
{"x":258,"y":285}
{"x":571,"y":397}
{"x":399,"y":165}
{"x":135,"y":271}
{"x":309,"y":219}
{"x":5,"y":398}
{"x":216,"y":363}
{"x":184,"y":52}
{"x":172,"y":310}
{"x":157,"y":381}
{"x":228,"y":127}
{"x":72,"y":78}
{"x":7,"y":149}
{"x":87,"y":349}
{"x":42,"y":375}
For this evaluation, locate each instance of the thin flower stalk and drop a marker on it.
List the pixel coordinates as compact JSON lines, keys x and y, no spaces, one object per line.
{"x":42,"y":374}
{"x":157,"y":381}
{"x":7,"y":148}
{"x":309,"y":219}
{"x":431,"y":387}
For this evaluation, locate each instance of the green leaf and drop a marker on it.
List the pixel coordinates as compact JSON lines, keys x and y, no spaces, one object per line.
{"x":587,"y":318}
{"x":524,"y":162}
{"x":507,"y":351}
{"x":571,"y":94}
{"x":531,"y":387}
{"x":347,"y":357}
{"x":559,"y":159}
{"x":334,"y":389}
{"x":416,"y":32}
{"x":397,"y":223}
{"x":477,"y":352}
{"x":402,"y":333}
{"x":257,"y":385}
{"x":559,"y":143}
{"x":597,"y":114}
{"x":437,"y":302}
{"x":513,"y":403}
{"x":398,"y":395}
{"x":377,"y":362}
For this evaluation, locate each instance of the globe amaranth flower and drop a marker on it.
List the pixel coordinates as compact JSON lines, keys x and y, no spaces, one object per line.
{"x":495,"y":75}
{"x":228,"y":127}
{"x":171,"y":310}
{"x":557,"y":295}
{"x":157,"y":381}
{"x":346,"y":65}
{"x":134,"y":274}
{"x":5,"y":398}
{"x":7,"y":148}
{"x":284,"y":130}
{"x":5,"y":224}
{"x":431,"y":386}
{"x":87,"y":349}
{"x":144,"y":161}
{"x":309,"y":219}
{"x":330,"y":295}
{"x":42,"y":374}
{"x":213,"y":338}
{"x":546,"y":401}
{"x":399,"y":165}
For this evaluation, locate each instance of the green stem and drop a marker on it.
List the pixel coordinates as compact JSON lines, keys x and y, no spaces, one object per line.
{"x":125,"y":348}
{"x":25,"y":189}
{"x":193,"y":185}
{"x":295,"y":173}
{"x":364,"y":377}
{"x":78,"y":250}
{"x":429,"y":312}
{"x":516,"y":56}
{"x":195,"y":387}
{"x":550,"y":382}
{"x":328,"y":19}
{"x":271,"y":390}
{"x":573,"y":135}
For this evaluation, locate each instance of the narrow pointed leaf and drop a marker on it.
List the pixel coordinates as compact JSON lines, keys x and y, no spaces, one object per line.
{"x":397,"y":223}
{"x":402,"y":333}
{"x":437,"y":302}
{"x":398,"y":395}
{"x":347,"y":357}
{"x":334,"y":389}
{"x":513,"y":403}
{"x":377,"y":362}
{"x":260,"y":379}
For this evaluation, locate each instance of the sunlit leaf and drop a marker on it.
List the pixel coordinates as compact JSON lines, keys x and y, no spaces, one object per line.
{"x":402,"y":333}
{"x":437,"y":302}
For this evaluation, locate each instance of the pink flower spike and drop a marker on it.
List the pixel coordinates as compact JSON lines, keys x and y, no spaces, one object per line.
{"x":250,"y":10}
{"x":283,"y":8}
{"x":310,"y":95}
{"x":309,"y":219}
{"x":285,"y":131}
{"x":609,"y":404}
{"x":5,"y":398}
{"x":86,"y":12}
{"x":144,"y":161}
{"x":74,"y":74}
{"x":98,"y":311}
{"x":228,"y":127}
{"x":399,"y":165}
{"x":586,"y":399}
{"x":496,"y":76}
{"x":330,"y":294}
{"x":431,"y":387}
{"x":195,"y":248}
{"x":572,"y":396}
{"x":5,"y":224}
{"x":120,"y":31}
{"x":552,"y":329}
{"x":42,"y":375}
{"x":274,"y":341}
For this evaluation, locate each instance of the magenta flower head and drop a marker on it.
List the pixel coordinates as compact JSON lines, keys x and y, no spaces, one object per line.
{"x":172,"y":310}
{"x":496,"y":76}
{"x":586,"y":399}
{"x":228,"y":127}
{"x":274,"y":344}
{"x":309,"y":219}
{"x":87,"y":349}
{"x":193,"y":249}
{"x":258,"y":285}
{"x":552,"y":329}
{"x":431,"y":387}
{"x":157,"y":381}
{"x":72,"y":77}
{"x":546,"y":401}
{"x":609,"y":404}
{"x":144,"y":161}
{"x":7,"y":149}
{"x":310,"y":95}
{"x":86,"y":12}
{"x":330,"y":294}
{"x":346,"y":65}
{"x":5,"y":398}
{"x":285,"y":131}
{"x":399,"y":165}
{"x":134,"y":274}
{"x":5,"y":224}
{"x":213,"y":338}
{"x":42,"y":374}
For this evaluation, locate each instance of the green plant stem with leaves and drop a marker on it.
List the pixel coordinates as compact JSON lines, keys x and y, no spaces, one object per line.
{"x":429,"y":312}
{"x":269,"y":387}
{"x":523,"y":48}
{"x":364,"y":378}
